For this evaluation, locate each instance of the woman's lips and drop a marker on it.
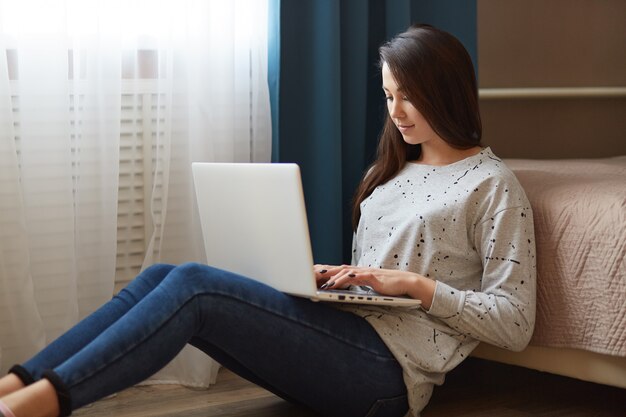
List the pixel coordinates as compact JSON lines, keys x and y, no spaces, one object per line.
{"x":405,"y":128}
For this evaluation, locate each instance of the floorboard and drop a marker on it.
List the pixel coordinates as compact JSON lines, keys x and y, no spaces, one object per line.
{"x":477,"y":388}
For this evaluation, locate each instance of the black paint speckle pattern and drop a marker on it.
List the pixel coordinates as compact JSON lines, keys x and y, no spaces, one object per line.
{"x":469,"y":226}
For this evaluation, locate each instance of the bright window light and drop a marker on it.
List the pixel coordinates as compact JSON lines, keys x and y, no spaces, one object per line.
{"x":127,"y":21}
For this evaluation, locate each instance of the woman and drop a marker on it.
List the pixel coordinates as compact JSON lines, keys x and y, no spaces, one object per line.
{"x":436,"y":218}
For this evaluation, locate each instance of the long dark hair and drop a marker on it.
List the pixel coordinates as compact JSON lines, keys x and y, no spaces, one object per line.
{"x":437,"y":76}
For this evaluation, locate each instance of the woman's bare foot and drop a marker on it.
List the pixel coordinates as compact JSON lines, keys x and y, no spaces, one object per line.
{"x":36,"y":400}
{"x":9,"y":384}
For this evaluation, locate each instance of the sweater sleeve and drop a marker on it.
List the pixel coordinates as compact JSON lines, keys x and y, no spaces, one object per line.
{"x":502,"y":311}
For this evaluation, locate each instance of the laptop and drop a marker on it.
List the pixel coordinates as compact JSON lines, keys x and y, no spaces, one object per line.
{"x":254,"y":223}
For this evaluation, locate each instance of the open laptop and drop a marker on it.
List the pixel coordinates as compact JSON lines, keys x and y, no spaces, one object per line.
{"x":254,"y":223}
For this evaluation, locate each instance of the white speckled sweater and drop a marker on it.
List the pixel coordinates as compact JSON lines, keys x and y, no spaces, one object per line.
{"x":469,"y":226}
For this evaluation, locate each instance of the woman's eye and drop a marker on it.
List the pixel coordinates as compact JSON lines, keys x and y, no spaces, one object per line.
{"x":405,"y":98}
{"x":388,"y":98}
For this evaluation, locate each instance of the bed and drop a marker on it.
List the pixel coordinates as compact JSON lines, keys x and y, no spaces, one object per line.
{"x":579,"y":207}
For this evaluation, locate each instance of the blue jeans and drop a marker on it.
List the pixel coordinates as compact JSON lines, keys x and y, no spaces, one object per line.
{"x":309,"y":353}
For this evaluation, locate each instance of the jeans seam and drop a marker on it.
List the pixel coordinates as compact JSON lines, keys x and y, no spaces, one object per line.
{"x":227,"y":295}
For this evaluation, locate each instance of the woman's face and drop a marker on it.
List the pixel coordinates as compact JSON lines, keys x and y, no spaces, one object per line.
{"x":414,"y":128}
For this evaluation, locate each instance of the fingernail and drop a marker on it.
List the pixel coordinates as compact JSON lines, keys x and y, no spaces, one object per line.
{"x":323,"y":271}
{"x":352,"y":275}
{"x":324,"y":286}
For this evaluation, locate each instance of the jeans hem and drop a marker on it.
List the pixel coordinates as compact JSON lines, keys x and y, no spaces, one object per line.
{"x":63,"y":394}
{"x":22,"y":374}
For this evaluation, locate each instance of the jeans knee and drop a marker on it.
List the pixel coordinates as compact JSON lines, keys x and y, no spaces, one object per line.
{"x":192,"y":270}
{"x":145,"y":282}
{"x":198,"y":278}
{"x":156,"y":273}
{"x":159,"y":269}
{"x":191,"y":276}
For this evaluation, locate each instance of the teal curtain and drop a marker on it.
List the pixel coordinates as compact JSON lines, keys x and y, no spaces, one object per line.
{"x":326,"y":96}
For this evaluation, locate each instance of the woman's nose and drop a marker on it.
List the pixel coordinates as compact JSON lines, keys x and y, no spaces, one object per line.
{"x":395,"y":109}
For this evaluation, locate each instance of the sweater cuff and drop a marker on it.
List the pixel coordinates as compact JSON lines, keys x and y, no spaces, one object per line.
{"x":447,"y":301}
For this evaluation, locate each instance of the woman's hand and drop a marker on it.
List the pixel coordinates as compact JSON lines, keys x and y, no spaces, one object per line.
{"x":383,"y":281}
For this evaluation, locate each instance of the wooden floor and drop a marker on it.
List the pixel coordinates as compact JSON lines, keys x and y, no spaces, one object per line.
{"x":476,"y":389}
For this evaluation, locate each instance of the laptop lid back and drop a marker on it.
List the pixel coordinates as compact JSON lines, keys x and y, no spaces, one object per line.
{"x":254,"y":223}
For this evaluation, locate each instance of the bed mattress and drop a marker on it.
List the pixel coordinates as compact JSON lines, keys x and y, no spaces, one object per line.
{"x":579,"y":208}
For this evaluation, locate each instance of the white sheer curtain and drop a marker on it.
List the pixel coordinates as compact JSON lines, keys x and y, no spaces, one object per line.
{"x":188,"y":78}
